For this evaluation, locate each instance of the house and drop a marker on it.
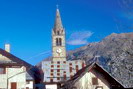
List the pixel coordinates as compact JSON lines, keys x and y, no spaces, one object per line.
{"x":14,"y":72}
{"x":92,"y":76}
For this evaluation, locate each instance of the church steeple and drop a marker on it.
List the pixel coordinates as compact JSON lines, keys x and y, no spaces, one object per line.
{"x":58,"y":23}
{"x":58,"y":39}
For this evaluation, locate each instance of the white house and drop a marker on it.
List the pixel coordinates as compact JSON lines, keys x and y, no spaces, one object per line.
{"x":92,"y":76}
{"x":14,"y":72}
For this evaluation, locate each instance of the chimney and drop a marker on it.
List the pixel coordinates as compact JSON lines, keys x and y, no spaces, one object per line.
{"x":7,"y":47}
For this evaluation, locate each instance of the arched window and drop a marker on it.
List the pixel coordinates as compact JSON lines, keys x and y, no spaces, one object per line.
{"x":57,"y":41}
{"x":60,"y":41}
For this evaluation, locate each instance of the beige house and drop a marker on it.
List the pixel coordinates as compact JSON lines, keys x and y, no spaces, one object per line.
{"x":14,"y":72}
{"x":92,"y":76}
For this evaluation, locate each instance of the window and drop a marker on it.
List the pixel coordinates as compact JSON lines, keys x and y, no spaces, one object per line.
{"x":58,"y":66}
{"x":57,"y":41}
{"x":58,"y":78}
{"x":58,"y":70}
{"x":51,"y":80}
{"x":64,"y":76}
{"x":70,"y":64}
{"x":2,"y":70}
{"x":94,"y":81}
{"x":64,"y":62}
{"x":70,"y":69}
{"x":52,"y":74}
{"x":52,"y":70}
{"x":64,"y":71}
{"x":52,"y":66}
{"x":60,"y":41}
{"x":58,"y":74}
{"x":58,"y":62}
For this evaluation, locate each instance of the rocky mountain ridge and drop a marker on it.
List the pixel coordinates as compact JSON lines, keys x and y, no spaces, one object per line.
{"x":115,"y":55}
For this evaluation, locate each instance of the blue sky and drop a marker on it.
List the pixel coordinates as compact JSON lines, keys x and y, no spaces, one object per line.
{"x":27,"y":24}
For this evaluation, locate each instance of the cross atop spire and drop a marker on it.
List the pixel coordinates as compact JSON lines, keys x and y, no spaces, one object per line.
{"x":58,"y":22}
{"x":57,"y":6}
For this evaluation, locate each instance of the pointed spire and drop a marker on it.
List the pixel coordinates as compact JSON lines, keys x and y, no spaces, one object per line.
{"x":58,"y":22}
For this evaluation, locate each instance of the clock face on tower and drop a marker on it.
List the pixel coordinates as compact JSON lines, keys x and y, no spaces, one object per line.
{"x":59,"y":50}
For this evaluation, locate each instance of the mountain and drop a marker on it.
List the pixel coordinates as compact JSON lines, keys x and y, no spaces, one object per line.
{"x":115,"y":54}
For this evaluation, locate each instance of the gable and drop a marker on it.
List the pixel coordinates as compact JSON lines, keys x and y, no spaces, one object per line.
{"x":96,"y":70}
{"x":6,"y":58}
{"x":90,"y":81}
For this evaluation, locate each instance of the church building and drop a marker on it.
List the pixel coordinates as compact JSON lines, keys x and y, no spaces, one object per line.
{"x":58,"y":70}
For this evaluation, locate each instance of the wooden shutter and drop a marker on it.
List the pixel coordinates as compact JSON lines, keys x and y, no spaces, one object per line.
{"x":13,"y":85}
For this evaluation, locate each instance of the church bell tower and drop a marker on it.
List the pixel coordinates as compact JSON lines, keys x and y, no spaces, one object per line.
{"x":58,"y":39}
